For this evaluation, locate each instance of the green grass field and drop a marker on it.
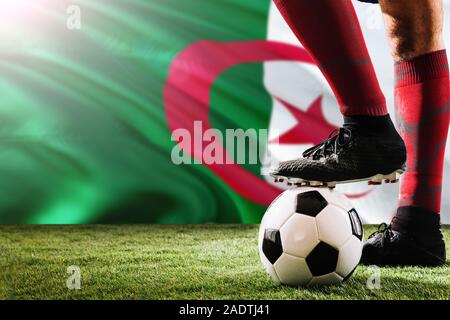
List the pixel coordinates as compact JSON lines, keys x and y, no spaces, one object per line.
{"x":174,"y":262}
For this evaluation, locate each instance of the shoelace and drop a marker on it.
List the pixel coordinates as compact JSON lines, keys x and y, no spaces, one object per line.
{"x":338,"y":138}
{"x":385,"y":230}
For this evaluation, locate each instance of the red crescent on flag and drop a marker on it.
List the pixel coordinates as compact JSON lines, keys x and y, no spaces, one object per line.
{"x":187,"y":98}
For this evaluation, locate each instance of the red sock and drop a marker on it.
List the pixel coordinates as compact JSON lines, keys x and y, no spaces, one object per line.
{"x":330,"y":31}
{"x":423,"y":104}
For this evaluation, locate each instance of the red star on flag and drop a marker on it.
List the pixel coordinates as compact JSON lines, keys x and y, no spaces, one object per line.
{"x":311,"y":128}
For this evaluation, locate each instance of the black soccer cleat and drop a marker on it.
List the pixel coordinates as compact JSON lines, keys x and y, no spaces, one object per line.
{"x":388,"y":247}
{"x":348,"y":155}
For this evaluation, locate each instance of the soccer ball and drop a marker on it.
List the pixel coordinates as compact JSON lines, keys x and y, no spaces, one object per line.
{"x":310,"y":237}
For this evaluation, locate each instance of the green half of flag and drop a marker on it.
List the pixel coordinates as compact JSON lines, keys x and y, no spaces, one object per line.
{"x":84,"y":136}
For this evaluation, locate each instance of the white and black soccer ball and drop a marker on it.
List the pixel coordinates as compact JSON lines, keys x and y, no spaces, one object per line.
{"x":309,"y":237}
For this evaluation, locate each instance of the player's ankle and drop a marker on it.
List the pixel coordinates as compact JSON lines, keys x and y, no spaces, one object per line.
{"x":372,"y":125}
{"x":421,"y":223}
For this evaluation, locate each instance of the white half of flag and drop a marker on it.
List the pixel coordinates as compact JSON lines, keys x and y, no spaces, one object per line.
{"x":300,"y":85}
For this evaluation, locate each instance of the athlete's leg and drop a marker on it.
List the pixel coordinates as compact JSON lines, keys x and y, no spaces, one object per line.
{"x":422,"y":94}
{"x":414,"y":28}
{"x":330,"y":31}
{"x":368,"y":147}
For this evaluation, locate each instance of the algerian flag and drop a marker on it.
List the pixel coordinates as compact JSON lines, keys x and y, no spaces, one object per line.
{"x":92,"y":92}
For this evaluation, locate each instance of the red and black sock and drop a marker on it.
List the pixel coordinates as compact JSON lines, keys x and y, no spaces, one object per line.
{"x":330,"y":31}
{"x":422,"y":94}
